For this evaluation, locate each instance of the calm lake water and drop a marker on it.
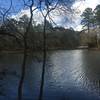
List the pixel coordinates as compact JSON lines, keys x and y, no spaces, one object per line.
{"x":70,"y":75}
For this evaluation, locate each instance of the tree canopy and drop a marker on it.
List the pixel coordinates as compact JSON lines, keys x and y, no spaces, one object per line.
{"x":91,"y":18}
{"x":87,"y":18}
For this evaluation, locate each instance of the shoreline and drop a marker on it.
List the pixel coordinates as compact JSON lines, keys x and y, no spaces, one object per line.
{"x":30,"y":51}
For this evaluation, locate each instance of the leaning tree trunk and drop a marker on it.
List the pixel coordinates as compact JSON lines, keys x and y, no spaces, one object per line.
{"x":44,"y":62}
{"x":20,"y":87}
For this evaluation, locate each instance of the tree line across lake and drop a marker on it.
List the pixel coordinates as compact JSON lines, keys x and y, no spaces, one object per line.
{"x":56,"y":37}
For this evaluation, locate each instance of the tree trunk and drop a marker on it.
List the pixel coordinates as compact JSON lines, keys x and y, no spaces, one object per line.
{"x":88,"y":28}
{"x":20,"y":87}
{"x":44,"y":62}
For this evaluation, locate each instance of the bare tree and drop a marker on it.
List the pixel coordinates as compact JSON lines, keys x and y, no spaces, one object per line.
{"x":24,"y":36}
{"x":5,"y":19}
{"x":50,"y":5}
{"x":48,"y":10}
{"x":20,"y":87}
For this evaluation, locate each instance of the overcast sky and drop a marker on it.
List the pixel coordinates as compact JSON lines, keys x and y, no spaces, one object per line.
{"x":68,"y":20}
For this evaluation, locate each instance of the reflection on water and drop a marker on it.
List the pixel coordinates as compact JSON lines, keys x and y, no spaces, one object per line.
{"x":70,"y":75}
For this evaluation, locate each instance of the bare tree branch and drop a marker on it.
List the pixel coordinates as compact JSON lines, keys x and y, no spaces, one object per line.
{"x":52,"y":21}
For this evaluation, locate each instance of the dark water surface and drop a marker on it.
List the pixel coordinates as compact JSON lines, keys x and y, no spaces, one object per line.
{"x":70,"y":75}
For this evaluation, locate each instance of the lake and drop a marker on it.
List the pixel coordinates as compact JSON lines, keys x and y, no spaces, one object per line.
{"x":70,"y":75}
